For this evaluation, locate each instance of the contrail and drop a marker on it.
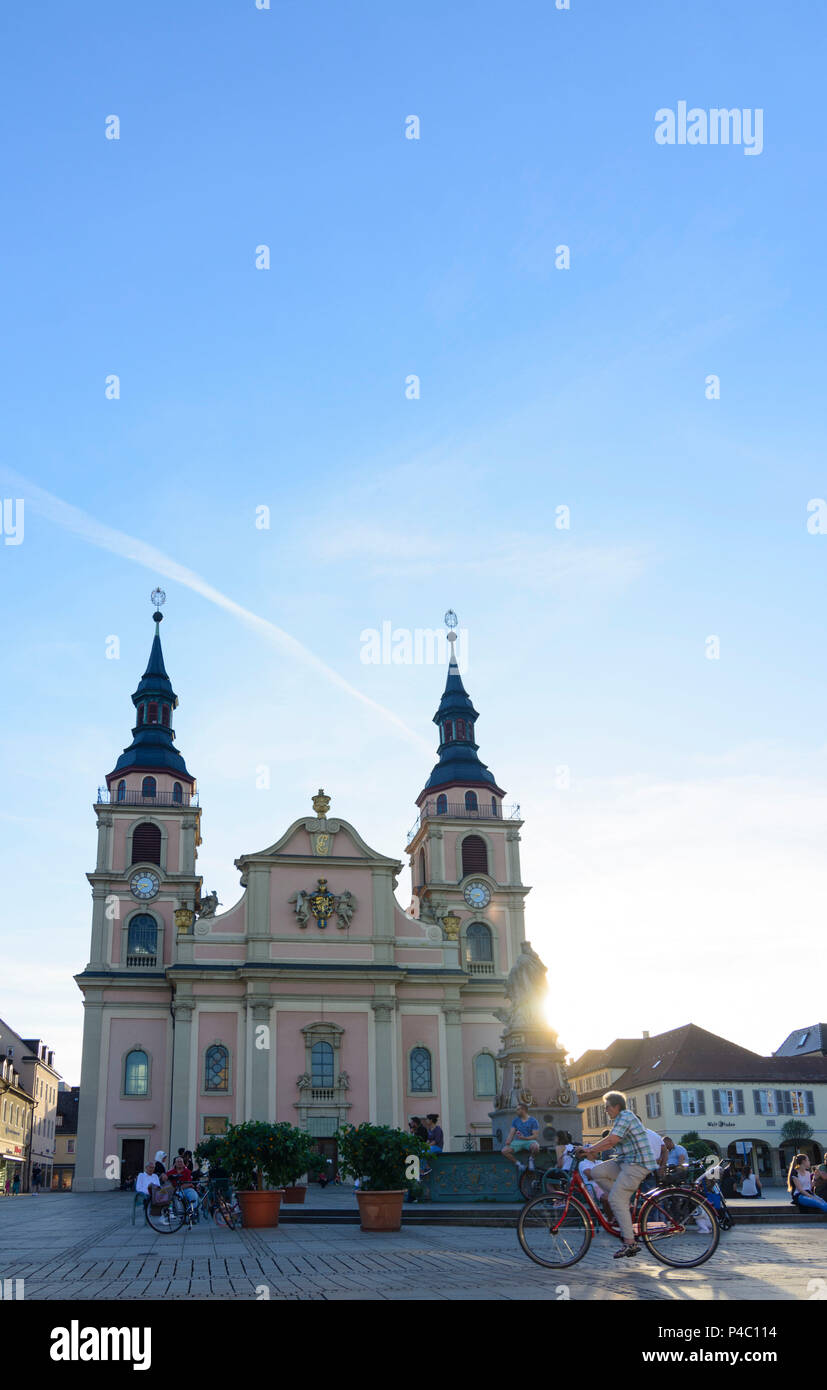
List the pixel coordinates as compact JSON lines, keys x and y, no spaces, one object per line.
{"x":130,"y":548}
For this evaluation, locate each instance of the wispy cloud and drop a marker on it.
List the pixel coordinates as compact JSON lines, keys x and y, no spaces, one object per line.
{"x":96,"y":533}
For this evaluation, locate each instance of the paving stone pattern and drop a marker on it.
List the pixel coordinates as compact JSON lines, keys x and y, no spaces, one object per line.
{"x":83,"y":1246}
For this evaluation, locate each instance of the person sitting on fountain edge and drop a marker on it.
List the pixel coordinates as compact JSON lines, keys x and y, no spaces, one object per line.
{"x":522,"y":1136}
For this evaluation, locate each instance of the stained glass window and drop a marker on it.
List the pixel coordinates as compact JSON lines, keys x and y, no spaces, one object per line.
{"x":217,"y":1068}
{"x":421,"y":1069}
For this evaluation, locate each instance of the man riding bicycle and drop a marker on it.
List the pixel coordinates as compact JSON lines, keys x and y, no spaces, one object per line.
{"x":623,"y":1174}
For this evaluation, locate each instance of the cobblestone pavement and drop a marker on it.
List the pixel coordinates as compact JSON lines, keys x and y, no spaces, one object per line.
{"x":77,"y":1245}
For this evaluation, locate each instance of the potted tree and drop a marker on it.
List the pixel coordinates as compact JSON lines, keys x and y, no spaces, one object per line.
{"x":302,"y":1158}
{"x":379,"y":1157}
{"x":258,"y":1157}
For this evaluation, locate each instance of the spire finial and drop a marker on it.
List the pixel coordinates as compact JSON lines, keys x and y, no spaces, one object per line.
{"x":158,"y":599}
{"x":451,"y":621}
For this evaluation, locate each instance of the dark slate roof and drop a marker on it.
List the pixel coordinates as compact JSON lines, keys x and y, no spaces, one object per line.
{"x":692,"y":1054}
{"x":620,"y":1053}
{"x":458,"y":761}
{"x":152,"y":748}
{"x":815,"y":1040}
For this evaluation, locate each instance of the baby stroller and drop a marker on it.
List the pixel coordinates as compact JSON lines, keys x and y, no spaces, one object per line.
{"x":707,"y":1183}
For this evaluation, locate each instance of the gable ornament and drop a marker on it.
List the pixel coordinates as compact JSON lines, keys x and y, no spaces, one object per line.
{"x":322,"y":906}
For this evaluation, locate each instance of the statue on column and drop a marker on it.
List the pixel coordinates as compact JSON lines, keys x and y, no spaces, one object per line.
{"x":526,"y":988}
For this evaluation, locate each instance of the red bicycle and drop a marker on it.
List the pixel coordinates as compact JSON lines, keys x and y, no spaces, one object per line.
{"x":676,"y":1224}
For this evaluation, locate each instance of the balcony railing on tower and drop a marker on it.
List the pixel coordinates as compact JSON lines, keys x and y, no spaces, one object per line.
{"x":133,"y":798}
{"x":457,"y":810}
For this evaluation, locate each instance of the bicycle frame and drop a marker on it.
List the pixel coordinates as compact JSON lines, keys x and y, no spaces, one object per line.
{"x":575,"y":1190}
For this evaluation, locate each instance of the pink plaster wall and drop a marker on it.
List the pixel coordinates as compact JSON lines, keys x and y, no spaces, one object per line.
{"x":234,"y":919}
{"x":202,"y":987}
{"x":208,"y":952}
{"x":477,"y":1037}
{"x":291,"y":989}
{"x":124,"y":1034}
{"x":334,"y":950}
{"x":291,"y":1059}
{"x":285,"y":879}
{"x":218,"y":1028}
{"x":412,"y":955}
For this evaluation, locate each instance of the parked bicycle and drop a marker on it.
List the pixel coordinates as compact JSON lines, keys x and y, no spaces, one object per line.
{"x":212,"y":1204}
{"x":675,"y":1222}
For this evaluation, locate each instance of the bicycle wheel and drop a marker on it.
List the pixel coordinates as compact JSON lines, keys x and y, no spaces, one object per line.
{"x":679,"y":1228}
{"x":554,"y":1231}
{"x":531,"y":1183}
{"x":167,"y":1220}
{"x":224,"y":1214}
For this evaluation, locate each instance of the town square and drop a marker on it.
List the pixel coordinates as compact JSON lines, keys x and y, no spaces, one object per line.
{"x":413,"y":530}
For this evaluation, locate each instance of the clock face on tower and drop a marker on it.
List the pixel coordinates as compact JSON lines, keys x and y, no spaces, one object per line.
{"x":477,"y":894}
{"x":144,"y":885}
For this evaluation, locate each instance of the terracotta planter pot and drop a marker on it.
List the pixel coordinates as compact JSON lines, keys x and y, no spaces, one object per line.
{"x":260,"y":1208}
{"x":380,"y":1211}
{"x":296,"y":1193}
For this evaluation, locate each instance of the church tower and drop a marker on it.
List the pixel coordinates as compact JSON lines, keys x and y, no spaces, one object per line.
{"x":148,"y":835}
{"x":464,"y":849}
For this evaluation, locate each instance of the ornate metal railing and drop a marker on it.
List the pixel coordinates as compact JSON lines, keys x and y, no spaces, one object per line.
{"x":457,"y":810}
{"x":132,"y":798}
{"x":143,"y":961}
{"x":480,"y":967}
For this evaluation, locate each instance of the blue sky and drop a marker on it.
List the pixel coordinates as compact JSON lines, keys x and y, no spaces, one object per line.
{"x":688,"y":849}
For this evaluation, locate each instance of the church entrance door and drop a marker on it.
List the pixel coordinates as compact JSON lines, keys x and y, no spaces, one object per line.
{"x":328,"y":1148}
{"x":132,"y":1158}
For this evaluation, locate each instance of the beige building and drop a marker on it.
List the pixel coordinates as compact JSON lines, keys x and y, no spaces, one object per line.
{"x":15,"y":1125}
{"x":34,"y":1063}
{"x":689,"y":1080}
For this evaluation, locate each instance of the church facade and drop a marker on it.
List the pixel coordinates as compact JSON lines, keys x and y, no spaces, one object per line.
{"x":316,"y":998}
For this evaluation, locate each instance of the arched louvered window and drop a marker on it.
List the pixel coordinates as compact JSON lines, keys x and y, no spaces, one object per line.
{"x":422,"y":879}
{"x":136,"y":1074}
{"x":146,"y":844}
{"x":177,"y":794}
{"x":122,"y":791}
{"x":165,"y":716}
{"x":480,"y":944}
{"x":152,"y":712}
{"x":460,"y":728}
{"x":442,"y":804}
{"x":217,"y":1068}
{"x":420,"y":1065}
{"x":485,"y":1075}
{"x":141,"y":939}
{"x":471,"y":801}
{"x":140,"y":715}
{"x":149,"y":787}
{"x":474,"y":855}
{"x":321,"y":1064}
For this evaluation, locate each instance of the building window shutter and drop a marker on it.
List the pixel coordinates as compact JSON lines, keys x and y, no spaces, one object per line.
{"x":811,"y":1109}
{"x":678,"y":1106}
{"x":701,"y":1103}
{"x":739,"y":1102}
{"x":146,"y":844}
{"x":756,"y":1100}
{"x":474,"y":855}
{"x":716,"y":1102}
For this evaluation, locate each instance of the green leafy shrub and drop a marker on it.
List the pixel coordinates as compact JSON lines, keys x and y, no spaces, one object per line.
{"x":377,"y":1155}
{"x":258,"y":1155}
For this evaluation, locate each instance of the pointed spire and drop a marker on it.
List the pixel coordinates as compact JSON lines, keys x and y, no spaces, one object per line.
{"x":456,"y":719}
{"x":152,"y":747}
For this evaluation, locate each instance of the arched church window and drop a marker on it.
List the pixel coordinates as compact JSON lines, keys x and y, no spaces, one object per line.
{"x":141,"y":939}
{"x":420,"y":1064}
{"x":165,"y":716}
{"x":480,"y":945}
{"x":471,"y":801}
{"x":122,"y":791}
{"x":177,"y":794}
{"x":146,"y":843}
{"x":136,"y":1074}
{"x":474,"y":855}
{"x":321,"y":1063}
{"x":442,"y":804}
{"x":485,"y":1075}
{"x":148,"y":787}
{"x":493,"y":805}
{"x":448,"y":730}
{"x":422,"y":878}
{"x":152,"y":712}
{"x":460,"y":728}
{"x":216,"y":1068}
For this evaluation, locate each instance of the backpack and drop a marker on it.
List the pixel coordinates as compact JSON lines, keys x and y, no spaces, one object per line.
{"x":161,"y":1196}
